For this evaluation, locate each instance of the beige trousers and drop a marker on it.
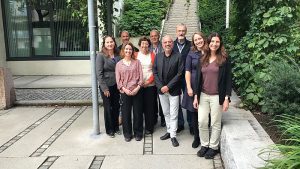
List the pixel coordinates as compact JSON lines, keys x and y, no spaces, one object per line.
{"x":209,"y":104}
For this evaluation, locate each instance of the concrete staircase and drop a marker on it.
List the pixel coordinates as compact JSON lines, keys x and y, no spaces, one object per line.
{"x":182,"y":11}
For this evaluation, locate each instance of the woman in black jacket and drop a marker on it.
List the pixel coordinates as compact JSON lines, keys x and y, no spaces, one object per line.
{"x":105,"y":63}
{"x":212,"y":94}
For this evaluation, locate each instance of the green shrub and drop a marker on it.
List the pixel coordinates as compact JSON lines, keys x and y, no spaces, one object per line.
{"x":274,"y":33}
{"x":290,"y":151}
{"x":281,"y":95}
{"x":140,"y":17}
{"x":212,"y":16}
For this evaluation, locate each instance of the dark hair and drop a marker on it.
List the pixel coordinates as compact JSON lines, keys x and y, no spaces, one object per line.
{"x":144,"y":38}
{"x":221,"y":53}
{"x":122,"y":52}
{"x":104,"y":50}
{"x":194,"y":47}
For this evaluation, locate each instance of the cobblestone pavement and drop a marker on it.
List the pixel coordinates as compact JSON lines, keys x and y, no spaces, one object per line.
{"x":54,"y":94}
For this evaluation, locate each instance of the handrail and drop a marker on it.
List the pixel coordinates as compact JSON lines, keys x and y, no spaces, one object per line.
{"x":199,"y":22}
{"x":166,"y":18}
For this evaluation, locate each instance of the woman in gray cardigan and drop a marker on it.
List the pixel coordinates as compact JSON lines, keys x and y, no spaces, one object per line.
{"x":105,"y":63}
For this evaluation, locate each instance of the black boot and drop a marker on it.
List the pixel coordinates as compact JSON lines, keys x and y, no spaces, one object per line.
{"x":196,"y":142}
{"x":162,"y":122}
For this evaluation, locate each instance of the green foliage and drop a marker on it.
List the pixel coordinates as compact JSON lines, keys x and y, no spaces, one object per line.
{"x":273,"y":35}
{"x":240,"y":15}
{"x":212,"y":16}
{"x":79,"y":11}
{"x":290,"y":151}
{"x":140,"y":17}
{"x":281,"y":93}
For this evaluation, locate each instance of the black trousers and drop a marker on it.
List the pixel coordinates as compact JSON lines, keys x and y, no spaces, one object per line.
{"x":135,"y":102}
{"x":194,"y":116}
{"x":111,"y":109}
{"x":158,"y":108}
{"x":149,"y":109}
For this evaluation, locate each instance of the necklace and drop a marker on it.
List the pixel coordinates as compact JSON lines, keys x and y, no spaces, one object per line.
{"x":127,"y":62}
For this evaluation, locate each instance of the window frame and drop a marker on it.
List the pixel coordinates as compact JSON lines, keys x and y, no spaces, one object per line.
{"x":31,"y":56}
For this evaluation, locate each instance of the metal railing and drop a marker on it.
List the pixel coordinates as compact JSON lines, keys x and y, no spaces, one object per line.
{"x":166,"y":18}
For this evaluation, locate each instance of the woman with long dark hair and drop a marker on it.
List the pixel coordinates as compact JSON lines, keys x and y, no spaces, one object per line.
{"x":129,"y":77}
{"x":106,"y":61}
{"x":214,"y":80}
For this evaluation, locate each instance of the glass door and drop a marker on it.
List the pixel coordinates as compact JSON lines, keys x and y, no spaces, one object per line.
{"x":42,"y":27}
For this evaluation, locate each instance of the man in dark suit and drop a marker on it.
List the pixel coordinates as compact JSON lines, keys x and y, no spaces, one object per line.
{"x":156,"y":48}
{"x":167,"y":70}
{"x":182,"y":45}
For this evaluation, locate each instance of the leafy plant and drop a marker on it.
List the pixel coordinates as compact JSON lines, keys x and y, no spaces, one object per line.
{"x":212,"y":15}
{"x":140,"y":17}
{"x":290,"y":151}
{"x":268,"y":39}
{"x":281,"y":93}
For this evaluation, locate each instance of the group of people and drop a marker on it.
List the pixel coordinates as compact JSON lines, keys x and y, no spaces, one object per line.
{"x":134,"y":78}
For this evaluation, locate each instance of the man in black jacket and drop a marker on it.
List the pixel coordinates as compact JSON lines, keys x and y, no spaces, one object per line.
{"x":182,"y":45}
{"x":125,"y":37}
{"x":167,"y":70}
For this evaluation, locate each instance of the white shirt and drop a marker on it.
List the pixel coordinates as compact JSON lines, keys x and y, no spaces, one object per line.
{"x":146,"y":66}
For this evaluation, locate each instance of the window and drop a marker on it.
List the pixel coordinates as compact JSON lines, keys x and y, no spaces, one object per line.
{"x":44,"y":29}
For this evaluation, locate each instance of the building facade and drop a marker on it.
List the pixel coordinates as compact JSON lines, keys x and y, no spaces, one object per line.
{"x":45,"y":37}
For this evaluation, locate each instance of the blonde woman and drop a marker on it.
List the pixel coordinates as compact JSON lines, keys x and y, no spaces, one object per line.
{"x":199,"y":47}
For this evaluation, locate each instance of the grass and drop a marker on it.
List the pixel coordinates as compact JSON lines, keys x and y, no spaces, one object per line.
{"x":289,"y":157}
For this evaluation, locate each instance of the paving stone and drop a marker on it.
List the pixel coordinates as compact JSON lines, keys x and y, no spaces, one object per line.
{"x":101,"y":158}
{"x":148,"y":145}
{"x":45,"y":146}
{"x":97,"y":163}
{"x":94,"y":167}
{"x":48,"y":163}
{"x":54,"y":94}
{"x":148,"y":149}
{"x":7,"y":144}
{"x":36,"y":154}
{"x":49,"y":142}
{"x":51,"y":158}
{"x":44,"y":167}
{"x":40,"y":150}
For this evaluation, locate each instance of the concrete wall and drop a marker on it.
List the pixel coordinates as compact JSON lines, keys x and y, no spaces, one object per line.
{"x":57,"y":67}
{"x":54,"y":67}
{"x":2,"y":40}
